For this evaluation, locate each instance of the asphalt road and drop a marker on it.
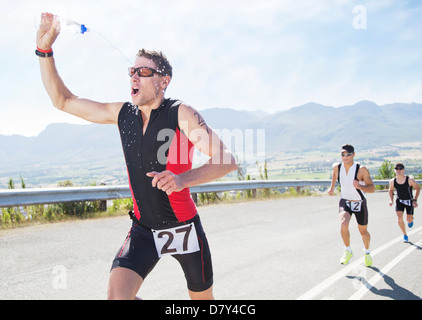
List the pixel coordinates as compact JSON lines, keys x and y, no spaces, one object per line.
{"x":274,"y":249}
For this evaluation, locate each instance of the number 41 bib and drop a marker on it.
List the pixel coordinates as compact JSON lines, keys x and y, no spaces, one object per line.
{"x":178,"y":240}
{"x":406,"y":202}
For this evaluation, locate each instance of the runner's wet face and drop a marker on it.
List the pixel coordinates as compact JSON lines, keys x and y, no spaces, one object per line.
{"x":147,"y":89}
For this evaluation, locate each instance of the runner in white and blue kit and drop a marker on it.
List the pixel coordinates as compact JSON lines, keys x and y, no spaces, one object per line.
{"x":354,"y":181}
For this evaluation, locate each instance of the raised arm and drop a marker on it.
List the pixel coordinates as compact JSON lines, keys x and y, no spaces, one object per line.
{"x":61,"y":97}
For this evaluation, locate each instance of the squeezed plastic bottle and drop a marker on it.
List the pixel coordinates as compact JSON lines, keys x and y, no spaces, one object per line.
{"x":66,"y":25}
{"x":72,"y":26}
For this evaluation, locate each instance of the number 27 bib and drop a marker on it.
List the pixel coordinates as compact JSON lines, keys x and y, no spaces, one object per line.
{"x":178,"y":240}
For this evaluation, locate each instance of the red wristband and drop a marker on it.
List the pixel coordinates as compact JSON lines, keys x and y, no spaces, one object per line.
{"x":44,"y":51}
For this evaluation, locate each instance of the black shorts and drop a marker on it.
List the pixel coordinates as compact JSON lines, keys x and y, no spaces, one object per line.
{"x":402,"y":207}
{"x":358,"y":208}
{"x":138,"y":253}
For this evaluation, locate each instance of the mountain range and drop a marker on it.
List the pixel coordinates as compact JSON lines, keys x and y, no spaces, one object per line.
{"x":317,"y":127}
{"x":88,"y":149}
{"x":364,"y":125}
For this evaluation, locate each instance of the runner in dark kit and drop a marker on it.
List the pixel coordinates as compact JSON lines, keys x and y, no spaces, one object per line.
{"x":158,"y":136}
{"x":405,"y":201}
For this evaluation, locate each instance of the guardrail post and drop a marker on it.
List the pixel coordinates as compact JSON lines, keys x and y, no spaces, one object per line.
{"x":195,"y":198}
{"x":103,"y":203}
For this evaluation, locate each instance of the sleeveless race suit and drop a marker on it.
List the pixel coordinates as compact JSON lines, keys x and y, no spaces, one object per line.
{"x":162,"y":147}
{"x":404,"y":196}
{"x":349,"y":194}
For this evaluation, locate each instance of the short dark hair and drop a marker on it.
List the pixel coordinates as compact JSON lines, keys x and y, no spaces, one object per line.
{"x":349,"y":148}
{"x":160,"y":60}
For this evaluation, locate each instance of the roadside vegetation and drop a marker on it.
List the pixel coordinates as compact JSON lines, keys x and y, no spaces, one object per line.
{"x":25,"y":215}
{"x":21,"y":216}
{"x":386,"y":172}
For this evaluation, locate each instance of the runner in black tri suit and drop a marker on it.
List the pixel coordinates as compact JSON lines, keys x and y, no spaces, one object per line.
{"x":405,"y":201}
{"x":158,"y":136}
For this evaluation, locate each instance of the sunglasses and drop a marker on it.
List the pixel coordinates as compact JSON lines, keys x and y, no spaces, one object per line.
{"x":344,"y":154}
{"x":399,"y":168}
{"x":143,"y":72}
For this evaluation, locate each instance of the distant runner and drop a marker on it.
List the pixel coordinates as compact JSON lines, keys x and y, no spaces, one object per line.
{"x":158,"y":136}
{"x":354,"y":181}
{"x":405,"y":201}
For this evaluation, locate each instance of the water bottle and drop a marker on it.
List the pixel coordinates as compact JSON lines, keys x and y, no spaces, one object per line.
{"x":72,"y":26}
{"x":66,"y":25}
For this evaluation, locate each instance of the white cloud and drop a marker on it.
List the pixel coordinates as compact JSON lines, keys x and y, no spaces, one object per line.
{"x":269,"y":54}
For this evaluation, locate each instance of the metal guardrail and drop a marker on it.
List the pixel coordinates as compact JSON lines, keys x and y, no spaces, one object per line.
{"x":26,"y":197}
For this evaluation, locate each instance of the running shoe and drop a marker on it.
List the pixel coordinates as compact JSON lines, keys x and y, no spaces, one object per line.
{"x":410,"y":224}
{"x":405,"y":238}
{"x":368,"y":260}
{"x":346,"y":257}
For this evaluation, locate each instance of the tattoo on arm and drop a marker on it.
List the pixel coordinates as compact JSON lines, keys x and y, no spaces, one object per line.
{"x":201,"y":122}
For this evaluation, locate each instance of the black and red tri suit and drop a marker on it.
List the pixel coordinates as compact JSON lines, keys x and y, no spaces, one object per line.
{"x":162,"y":147}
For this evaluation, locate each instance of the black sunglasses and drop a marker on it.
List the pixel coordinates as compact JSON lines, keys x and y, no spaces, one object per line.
{"x":399,"y":168}
{"x":143,"y":72}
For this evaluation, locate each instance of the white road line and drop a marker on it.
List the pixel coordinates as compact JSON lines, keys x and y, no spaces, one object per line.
{"x":319,"y":288}
{"x":371,"y":283}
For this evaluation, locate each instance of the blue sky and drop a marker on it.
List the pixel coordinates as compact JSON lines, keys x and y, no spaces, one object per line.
{"x":266,"y":55}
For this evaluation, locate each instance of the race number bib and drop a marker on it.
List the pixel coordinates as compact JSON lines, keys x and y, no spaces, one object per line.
{"x":177,"y":240}
{"x":406,"y":202}
{"x":355,"y":206}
